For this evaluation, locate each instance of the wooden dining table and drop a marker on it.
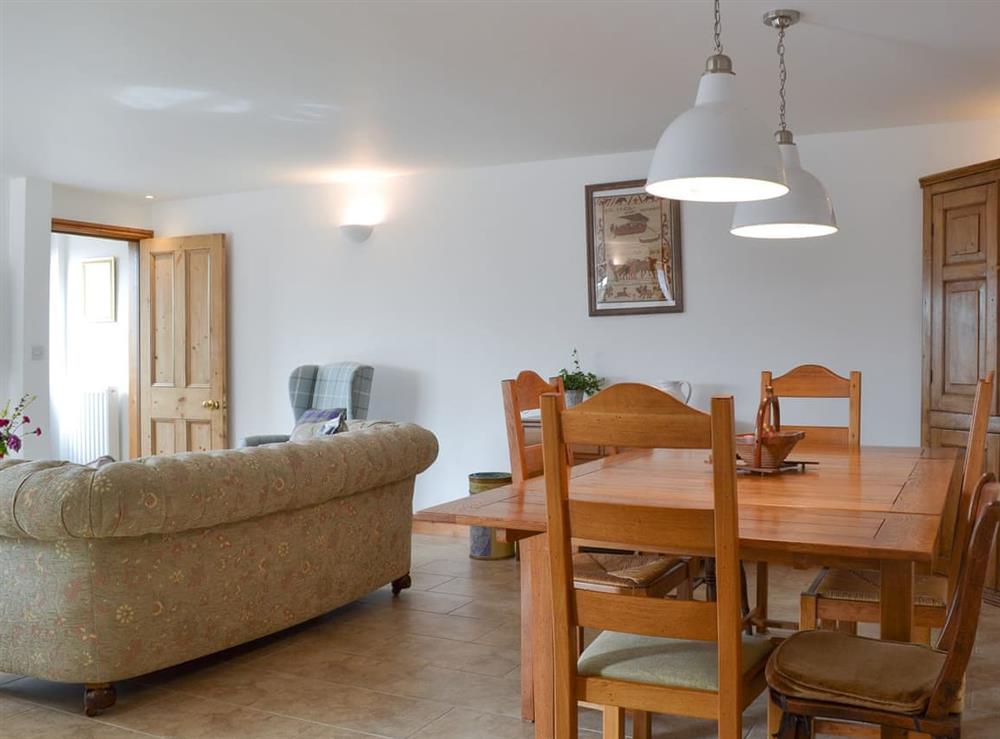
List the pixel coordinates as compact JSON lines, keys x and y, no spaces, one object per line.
{"x":885,"y":508}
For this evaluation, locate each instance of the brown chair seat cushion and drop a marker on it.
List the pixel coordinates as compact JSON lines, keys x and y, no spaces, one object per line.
{"x":836,"y":667}
{"x":864,"y":585}
{"x":621,"y":570}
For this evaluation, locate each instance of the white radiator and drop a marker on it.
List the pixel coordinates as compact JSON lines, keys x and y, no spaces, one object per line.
{"x":94,"y":430}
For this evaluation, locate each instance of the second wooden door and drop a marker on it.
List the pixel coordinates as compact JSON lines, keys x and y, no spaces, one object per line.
{"x":183,"y":344}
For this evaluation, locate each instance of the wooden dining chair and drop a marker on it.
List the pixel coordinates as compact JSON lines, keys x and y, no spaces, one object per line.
{"x":816,"y":381}
{"x":651,"y":575}
{"x":816,"y":677}
{"x":809,"y":381}
{"x":686,"y":657}
{"x":844,"y":598}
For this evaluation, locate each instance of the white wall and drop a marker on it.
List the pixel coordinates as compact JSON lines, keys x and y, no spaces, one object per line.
{"x":28,"y":207}
{"x":94,"y":206}
{"x":479,"y":273}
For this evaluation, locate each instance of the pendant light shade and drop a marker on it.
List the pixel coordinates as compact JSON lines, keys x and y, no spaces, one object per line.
{"x":716,"y":151}
{"x":805,"y":212}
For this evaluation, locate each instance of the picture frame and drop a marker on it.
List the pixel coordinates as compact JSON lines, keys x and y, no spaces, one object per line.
{"x":633,"y":251}
{"x":100,"y":290}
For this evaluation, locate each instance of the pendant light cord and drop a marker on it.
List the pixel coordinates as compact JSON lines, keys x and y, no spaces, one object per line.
{"x":718,"y":29}
{"x":782,"y":77}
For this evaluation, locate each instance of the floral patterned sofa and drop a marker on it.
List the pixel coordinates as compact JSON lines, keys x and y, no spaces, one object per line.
{"x":110,"y":573}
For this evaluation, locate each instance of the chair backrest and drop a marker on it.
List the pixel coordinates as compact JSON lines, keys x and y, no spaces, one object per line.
{"x":641,"y":416}
{"x":522,"y":394}
{"x":959,"y":634}
{"x":972,"y":470}
{"x":816,"y":381}
{"x":339,"y":385}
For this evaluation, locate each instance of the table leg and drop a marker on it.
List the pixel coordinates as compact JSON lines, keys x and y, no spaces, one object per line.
{"x":535,"y":551}
{"x":897,"y":611}
{"x":527,"y":668}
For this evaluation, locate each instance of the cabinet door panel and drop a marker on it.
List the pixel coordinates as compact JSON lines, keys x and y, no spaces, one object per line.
{"x":963,"y":295}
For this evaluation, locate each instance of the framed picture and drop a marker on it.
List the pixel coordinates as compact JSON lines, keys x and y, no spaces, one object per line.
{"x":99,"y":290}
{"x":633,"y":251}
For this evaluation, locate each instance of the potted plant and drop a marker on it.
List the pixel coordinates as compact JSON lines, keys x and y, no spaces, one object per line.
{"x":579,"y":383}
{"x":12,"y":426}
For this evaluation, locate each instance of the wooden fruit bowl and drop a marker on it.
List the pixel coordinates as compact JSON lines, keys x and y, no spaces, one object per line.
{"x":774,"y":448}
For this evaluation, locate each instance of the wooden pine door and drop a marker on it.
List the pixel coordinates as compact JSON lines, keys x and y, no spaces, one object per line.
{"x":182,"y":287}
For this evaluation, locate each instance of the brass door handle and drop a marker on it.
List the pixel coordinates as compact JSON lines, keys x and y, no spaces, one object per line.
{"x":212,"y":404}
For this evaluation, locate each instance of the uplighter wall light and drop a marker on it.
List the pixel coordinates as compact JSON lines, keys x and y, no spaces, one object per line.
{"x":357,"y":232}
{"x":361,"y":215}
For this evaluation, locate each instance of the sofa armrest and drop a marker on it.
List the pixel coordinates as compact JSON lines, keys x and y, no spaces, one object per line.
{"x":262,"y":439}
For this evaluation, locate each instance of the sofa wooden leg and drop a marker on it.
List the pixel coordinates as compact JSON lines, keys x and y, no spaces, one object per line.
{"x":97,"y":697}
{"x":401,"y":583}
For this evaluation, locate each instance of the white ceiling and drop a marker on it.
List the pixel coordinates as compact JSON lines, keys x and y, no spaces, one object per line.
{"x":183,"y":98}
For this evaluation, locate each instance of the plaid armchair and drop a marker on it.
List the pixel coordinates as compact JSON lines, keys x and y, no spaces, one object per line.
{"x":339,"y":385}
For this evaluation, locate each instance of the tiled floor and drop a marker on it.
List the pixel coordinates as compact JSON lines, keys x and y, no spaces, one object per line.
{"x":440,"y":661}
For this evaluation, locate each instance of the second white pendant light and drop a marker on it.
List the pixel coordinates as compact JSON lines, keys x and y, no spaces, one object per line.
{"x":806,"y":211}
{"x":716,"y":151}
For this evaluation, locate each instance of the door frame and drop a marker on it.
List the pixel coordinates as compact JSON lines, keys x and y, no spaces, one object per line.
{"x":133,"y":236}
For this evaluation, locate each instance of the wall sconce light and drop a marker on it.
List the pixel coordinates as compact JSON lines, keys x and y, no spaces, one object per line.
{"x":363,"y":212}
{"x":357,"y":232}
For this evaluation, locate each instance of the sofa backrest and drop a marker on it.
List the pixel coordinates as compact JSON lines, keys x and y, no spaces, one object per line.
{"x":164,"y":494}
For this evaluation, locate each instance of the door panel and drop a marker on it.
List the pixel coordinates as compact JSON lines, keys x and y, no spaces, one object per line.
{"x":965,"y":336}
{"x":963,"y":295}
{"x":199,"y":313}
{"x":162,"y":297}
{"x":199,"y":436}
{"x":183,"y":344}
{"x":162,"y":439}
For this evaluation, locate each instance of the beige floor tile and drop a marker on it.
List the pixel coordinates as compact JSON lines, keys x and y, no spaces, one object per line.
{"x":66,"y":697}
{"x":483,"y":659}
{"x":427,"y":580}
{"x":508,"y":610}
{"x":506,"y":587}
{"x":408,"y":676}
{"x":9,"y":706}
{"x":341,"y":705}
{"x":192,"y":717}
{"x":475,"y":725}
{"x":46,"y":723}
{"x":461,"y":628}
{"x":461,"y":567}
{"x":417,"y":600}
{"x":507,"y":636}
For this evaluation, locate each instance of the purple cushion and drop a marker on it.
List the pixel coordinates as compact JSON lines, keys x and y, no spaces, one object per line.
{"x":314,"y":415}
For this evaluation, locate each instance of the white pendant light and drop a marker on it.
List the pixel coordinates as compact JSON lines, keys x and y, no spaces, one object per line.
{"x":716,"y":151}
{"x":806,"y":211}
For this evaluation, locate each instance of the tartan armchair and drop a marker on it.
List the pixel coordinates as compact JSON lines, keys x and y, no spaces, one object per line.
{"x":339,"y":385}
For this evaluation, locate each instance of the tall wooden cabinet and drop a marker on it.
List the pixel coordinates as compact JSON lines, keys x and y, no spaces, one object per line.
{"x":961,"y":261}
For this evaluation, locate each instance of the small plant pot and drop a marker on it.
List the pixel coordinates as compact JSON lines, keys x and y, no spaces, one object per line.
{"x":573,"y":397}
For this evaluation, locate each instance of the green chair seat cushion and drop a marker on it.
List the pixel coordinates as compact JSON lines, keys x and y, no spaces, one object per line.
{"x":674,"y":663}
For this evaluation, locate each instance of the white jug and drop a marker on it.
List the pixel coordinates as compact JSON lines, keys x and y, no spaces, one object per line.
{"x":680,"y":389}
